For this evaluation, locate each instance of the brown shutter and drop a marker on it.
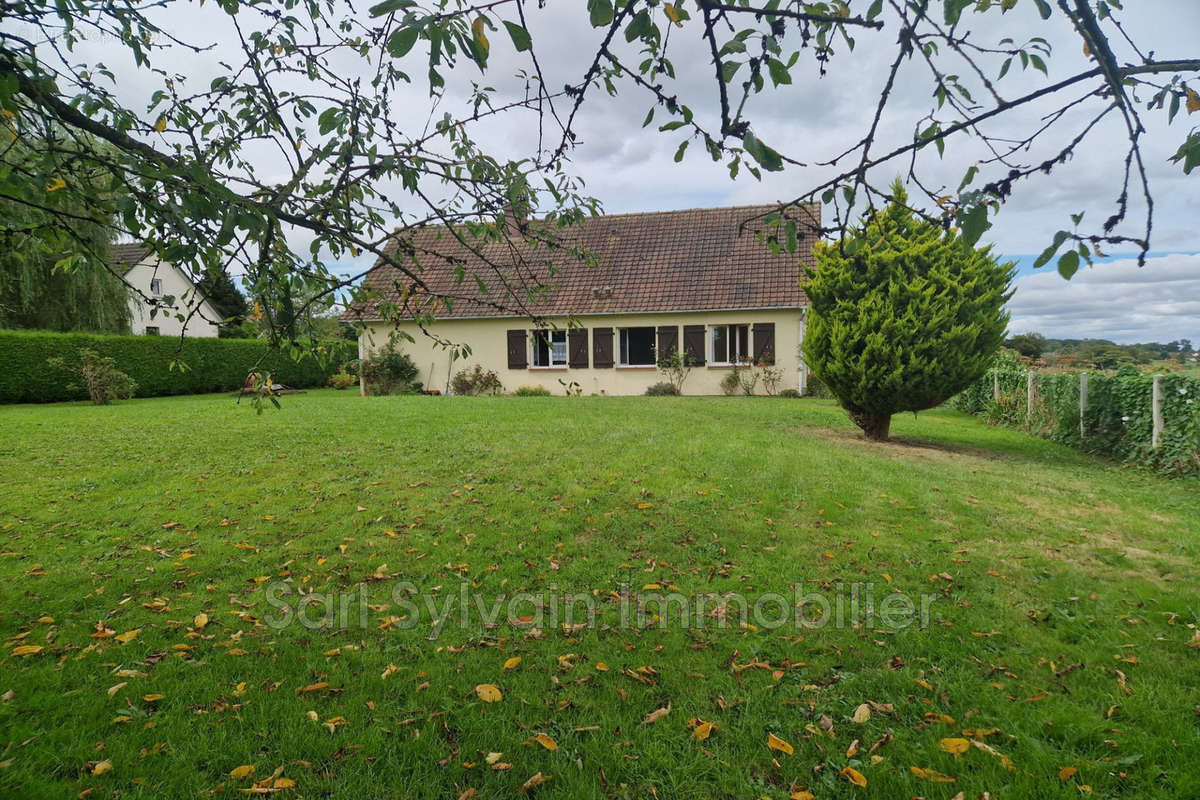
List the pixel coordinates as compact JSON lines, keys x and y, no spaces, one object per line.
{"x":517,"y":351}
{"x":668,"y":341}
{"x":764,"y":343}
{"x":577,"y":348}
{"x":693,"y":344}
{"x":602,"y":347}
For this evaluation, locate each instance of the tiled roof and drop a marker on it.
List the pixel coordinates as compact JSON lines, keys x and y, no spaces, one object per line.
{"x":690,"y":260}
{"x":128,"y":255}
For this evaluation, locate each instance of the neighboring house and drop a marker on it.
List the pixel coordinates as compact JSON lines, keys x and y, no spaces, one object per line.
{"x":662,"y":281}
{"x":153,"y":277}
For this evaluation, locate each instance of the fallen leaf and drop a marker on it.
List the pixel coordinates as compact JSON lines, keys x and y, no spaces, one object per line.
{"x":545,"y":741}
{"x":1066,"y":773}
{"x":102,"y":767}
{"x":200,"y":620}
{"x":657,"y":714}
{"x":512,"y":662}
{"x":535,"y":780}
{"x":854,"y":776}
{"x":803,"y":794}
{"x":28,"y":650}
{"x":242,"y":772}
{"x":702,"y":731}
{"x":127,"y":636}
{"x":489,"y":693}
{"x":862,"y":714}
{"x":931,"y":775}
{"x":956,"y":746}
{"x":153,"y":698}
{"x":775,"y":743}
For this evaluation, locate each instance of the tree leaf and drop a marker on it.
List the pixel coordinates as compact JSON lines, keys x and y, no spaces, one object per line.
{"x":512,"y":662}
{"x":862,"y":714}
{"x":400,"y":42}
{"x":1068,"y":264}
{"x":1049,"y":252}
{"x":600,"y":12}
{"x":520,"y":37}
{"x":974,"y":222}
{"x":765,"y":156}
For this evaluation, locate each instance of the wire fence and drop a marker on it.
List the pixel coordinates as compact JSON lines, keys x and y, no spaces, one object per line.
{"x":1147,"y":420}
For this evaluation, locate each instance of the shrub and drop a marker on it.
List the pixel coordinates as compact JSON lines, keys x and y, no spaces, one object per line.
{"x":731,"y":384}
{"x":100,"y":376}
{"x":903,"y":315}
{"x":771,"y":378}
{"x":476,"y":381}
{"x":532,"y":391}
{"x":159,"y":365}
{"x":390,"y":371}
{"x":676,"y":367}
{"x":662,"y":389}
{"x":790,"y":393}
{"x":342,"y":380}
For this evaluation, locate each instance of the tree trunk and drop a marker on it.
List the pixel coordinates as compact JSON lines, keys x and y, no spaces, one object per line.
{"x":875,"y":426}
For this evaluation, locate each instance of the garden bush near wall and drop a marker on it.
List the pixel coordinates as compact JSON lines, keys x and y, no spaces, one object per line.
{"x":213,"y":365}
{"x":1118,"y":421}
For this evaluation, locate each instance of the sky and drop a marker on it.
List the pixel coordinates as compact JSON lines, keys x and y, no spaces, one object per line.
{"x":629,"y":168}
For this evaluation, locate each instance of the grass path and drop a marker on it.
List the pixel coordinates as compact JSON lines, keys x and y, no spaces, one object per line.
{"x":142,"y":542}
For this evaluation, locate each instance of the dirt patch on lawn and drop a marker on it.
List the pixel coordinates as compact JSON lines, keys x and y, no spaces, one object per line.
{"x":908,"y":446}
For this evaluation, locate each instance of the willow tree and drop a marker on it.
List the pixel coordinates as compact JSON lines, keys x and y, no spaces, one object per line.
{"x":280,"y":139}
{"x":55,"y":261}
{"x":904,"y":315}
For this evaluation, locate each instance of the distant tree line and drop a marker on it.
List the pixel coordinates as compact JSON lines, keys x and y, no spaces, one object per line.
{"x":1100,"y":353}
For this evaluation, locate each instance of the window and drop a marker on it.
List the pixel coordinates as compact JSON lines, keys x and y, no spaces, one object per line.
{"x":637,"y":347}
{"x":730,"y":343}
{"x":550,"y":349}
{"x":155,"y":287}
{"x":152,"y":330}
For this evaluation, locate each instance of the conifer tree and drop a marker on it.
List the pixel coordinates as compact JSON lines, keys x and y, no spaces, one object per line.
{"x":903,"y":315}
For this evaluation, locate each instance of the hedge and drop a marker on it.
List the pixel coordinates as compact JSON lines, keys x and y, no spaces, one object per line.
{"x":1118,"y":421}
{"x":212,"y":365}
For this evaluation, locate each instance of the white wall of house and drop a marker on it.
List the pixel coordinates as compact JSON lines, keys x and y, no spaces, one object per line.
{"x":488,"y":340}
{"x":159,"y":278}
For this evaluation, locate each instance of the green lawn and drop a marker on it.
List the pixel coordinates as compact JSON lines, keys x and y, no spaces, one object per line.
{"x":142,"y":540}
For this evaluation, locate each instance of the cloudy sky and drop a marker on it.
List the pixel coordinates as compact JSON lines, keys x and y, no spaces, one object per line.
{"x":629,"y":168}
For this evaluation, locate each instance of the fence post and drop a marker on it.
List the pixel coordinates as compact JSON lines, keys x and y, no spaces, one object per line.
{"x":995,"y":386}
{"x":1156,"y":411}
{"x":1083,"y":402}
{"x":1029,"y":397}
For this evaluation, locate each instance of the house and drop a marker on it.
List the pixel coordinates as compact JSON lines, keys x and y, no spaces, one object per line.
{"x":693,"y":281}
{"x":153,"y":277}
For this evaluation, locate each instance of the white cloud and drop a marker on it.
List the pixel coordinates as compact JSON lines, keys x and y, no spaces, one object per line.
{"x":1116,"y":300}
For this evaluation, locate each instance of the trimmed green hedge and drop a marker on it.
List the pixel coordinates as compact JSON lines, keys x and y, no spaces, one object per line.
{"x":213,"y":365}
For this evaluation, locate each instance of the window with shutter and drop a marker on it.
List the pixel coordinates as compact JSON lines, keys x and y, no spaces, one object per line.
{"x":577,"y":340}
{"x":602,"y":347}
{"x":668,"y":340}
{"x":693,"y":344}
{"x":517,"y":356}
{"x":764,"y":343}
